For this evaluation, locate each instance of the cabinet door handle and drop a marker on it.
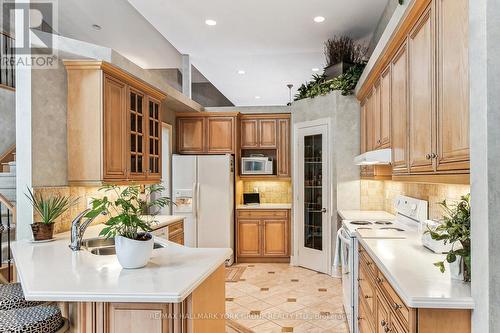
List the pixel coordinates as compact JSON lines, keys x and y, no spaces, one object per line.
{"x":379,"y":280}
{"x":428,"y":156}
{"x":434,"y":155}
{"x":367,"y":297}
{"x":383,"y":323}
{"x":387,"y":329}
{"x":396,"y":306}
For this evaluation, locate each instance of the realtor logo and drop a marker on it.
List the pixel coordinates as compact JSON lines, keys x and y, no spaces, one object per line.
{"x":34,"y":23}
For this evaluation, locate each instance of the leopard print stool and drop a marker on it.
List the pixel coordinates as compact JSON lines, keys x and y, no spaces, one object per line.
{"x":36,"y":319}
{"x":12,"y":297}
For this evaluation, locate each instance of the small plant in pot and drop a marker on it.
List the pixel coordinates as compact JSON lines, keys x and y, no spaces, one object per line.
{"x":455,"y":230}
{"x":48,"y":209}
{"x":133,"y":241}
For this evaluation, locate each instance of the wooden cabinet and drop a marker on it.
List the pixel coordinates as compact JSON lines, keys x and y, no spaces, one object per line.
{"x":141,"y":317}
{"x":421,"y":85}
{"x":257,"y":132}
{"x":113,"y":125}
{"x":284,"y":147}
{"x":115,"y":129}
{"x":249,"y":133}
{"x":176,"y":232}
{"x":263,"y":235}
{"x":206,"y":133}
{"x":381,"y":309}
{"x":384,"y":141}
{"x":363,"y":127}
{"x":453,"y":138}
{"x":269,"y":135}
{"x":399,"y":114}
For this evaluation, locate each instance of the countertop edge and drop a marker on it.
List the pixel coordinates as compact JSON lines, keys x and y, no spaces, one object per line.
{"x":419,"y":302}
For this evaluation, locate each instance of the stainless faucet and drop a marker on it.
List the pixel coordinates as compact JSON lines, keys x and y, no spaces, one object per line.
{"x":78,"y":229}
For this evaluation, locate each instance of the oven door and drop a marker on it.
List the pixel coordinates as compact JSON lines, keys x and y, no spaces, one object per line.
{"x":251,"y":166}
{"x":347,"y":255}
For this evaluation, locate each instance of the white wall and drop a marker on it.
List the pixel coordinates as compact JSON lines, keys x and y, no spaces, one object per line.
{"x":7,"y":119}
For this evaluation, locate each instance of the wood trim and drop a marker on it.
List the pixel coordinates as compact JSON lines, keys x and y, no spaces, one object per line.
{"x":6,"y":87}
{"x":265,"y":115}
{"x":206,"y":114}
{"x":405,"y":25}
{"x":463,"y":179}
{"x":9,"y":152}
{"x":263,"y":260}
{"x":444,"y":321}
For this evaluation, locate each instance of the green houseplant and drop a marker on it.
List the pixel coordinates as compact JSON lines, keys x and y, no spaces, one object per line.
{"x":455,"y":230}
{"x":126,"y":210}
{"x":48,"y":209}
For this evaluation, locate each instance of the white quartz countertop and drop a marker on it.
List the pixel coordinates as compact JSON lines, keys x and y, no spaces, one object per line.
{"x":162,"y":221}
{"x":52,"y":272}
{"x":266,"y":206}
{"x":408,"y":266}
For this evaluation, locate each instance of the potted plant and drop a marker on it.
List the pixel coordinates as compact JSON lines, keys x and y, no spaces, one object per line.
{"x":341,"y":54}
{"x":48,"y":209}
{"x":455,"y":230}
{"x":133,"y":241}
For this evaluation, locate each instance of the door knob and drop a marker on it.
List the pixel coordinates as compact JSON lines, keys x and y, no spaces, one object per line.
{"x":323,"y":210}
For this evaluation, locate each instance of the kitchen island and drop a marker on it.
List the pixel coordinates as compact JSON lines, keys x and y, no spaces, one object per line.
{"x":180,"y":290}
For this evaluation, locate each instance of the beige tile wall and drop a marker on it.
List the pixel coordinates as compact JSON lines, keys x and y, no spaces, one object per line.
{"x":63,"y":223}
{"x":270,"y":191}
{"x":379,"y":195}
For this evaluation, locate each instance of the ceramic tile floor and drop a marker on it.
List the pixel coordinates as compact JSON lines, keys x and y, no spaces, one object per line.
{"x":281,"y":298}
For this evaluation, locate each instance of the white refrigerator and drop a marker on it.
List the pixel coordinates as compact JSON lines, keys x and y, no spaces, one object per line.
{"x":203,"y":192}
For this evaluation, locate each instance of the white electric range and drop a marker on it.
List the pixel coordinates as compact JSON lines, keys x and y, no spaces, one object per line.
{"x":372,"y":224}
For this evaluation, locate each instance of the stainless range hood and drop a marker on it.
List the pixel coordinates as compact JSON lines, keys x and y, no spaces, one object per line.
{"x":374,"y":157}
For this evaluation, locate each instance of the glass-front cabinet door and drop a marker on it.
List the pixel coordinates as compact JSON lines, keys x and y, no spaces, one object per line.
{"x":137,"y":134}
{"x":154,"y":139}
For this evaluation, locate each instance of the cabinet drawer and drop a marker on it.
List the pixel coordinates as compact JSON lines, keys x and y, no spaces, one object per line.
{"x":177,"y":238}
{"x":396,"y":304}
{"x":367,"y":290}
{"x":175,"y":227}
{"x":160,"y":233}
{"x":263,"y":214}
{"x":365,"y":319}
{"x":367,"y":263}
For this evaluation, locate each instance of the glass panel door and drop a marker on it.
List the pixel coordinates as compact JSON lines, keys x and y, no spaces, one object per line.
{"x":154,"y":138}
{"x":136,"y":133}
{"x":313,"y":192}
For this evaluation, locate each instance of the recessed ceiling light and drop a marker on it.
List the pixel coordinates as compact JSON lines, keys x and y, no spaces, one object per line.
{"x":241,"y":72}
{"x":319,"y":19}
{"x":96,"y":27}
{"x":211,"y":22}
{"x":257,"y":97}
{"x":315,"y":69}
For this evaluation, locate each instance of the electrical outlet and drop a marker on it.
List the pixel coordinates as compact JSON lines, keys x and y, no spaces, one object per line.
{"x":256,"y":190}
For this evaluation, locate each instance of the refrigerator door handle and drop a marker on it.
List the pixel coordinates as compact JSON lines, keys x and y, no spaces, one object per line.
{"x":197,"y":194}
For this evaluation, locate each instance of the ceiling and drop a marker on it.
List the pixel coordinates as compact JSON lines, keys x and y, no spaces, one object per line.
{"x":275,"y":42}
{"x":122,"y":29}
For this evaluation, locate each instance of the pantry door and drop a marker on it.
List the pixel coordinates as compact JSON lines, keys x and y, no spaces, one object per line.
{"x":312,"y":206}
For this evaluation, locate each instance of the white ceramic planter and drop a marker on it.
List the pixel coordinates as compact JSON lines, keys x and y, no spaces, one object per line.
{"x":133,"y":253}
{"x":457,"y":269}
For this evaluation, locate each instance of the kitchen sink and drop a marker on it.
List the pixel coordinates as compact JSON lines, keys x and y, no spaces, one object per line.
{"x":106,"y":247}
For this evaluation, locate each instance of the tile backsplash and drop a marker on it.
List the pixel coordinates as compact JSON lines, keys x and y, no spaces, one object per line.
{"x":270,"y":191}
{"x":380,"y":195}
{"x":84,"y":194}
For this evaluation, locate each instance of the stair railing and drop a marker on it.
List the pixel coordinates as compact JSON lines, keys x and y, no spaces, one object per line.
{"x":7,"y":56}
{"x":7,"y":219}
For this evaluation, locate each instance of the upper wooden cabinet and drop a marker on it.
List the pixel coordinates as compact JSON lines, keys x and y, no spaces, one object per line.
{"x":422,"y":90}
{"x":206,"y":133}
{"x":113,"y":125}
{"x":399,"y":114}
{"x":284,"y":147}
{"x":258,"y":132}
{"x":384,"y":141}
{"x":268,"y":134}
{"x":453,"y":138}
{"x":421,"y":85}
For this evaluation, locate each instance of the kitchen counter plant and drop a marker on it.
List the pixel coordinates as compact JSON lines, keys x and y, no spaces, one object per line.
{"x":455,"y":230}
{"x":49,"y":209}
{"x":133,"y":241}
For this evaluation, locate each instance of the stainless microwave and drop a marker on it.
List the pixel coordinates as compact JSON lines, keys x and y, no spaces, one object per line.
{"x":256,"y":166}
